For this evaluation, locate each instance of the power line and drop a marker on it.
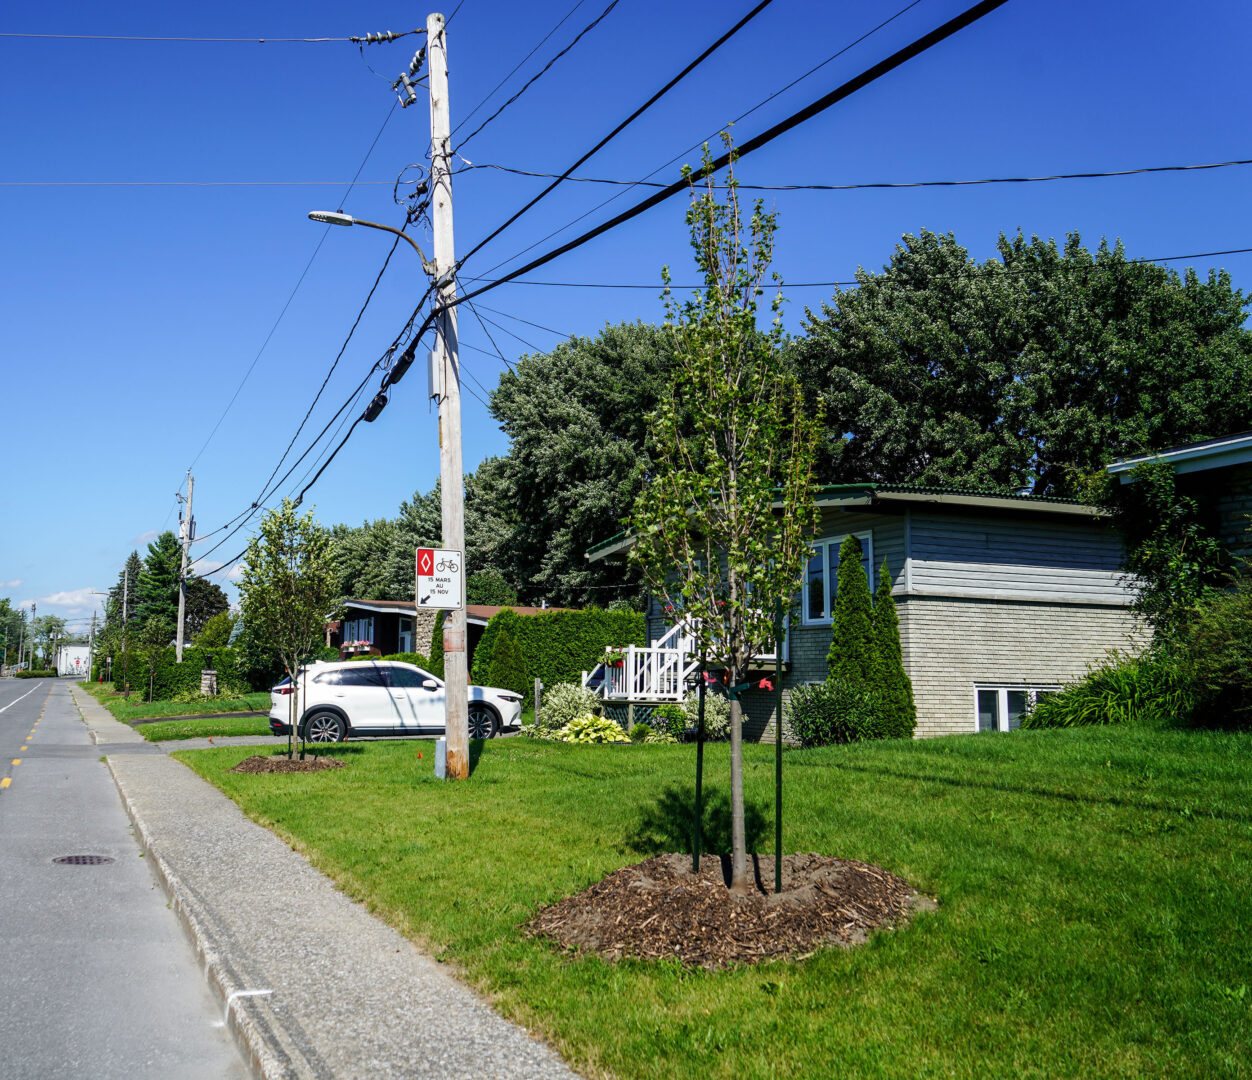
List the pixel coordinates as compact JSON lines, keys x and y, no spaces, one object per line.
{"x":760,"y":104}
{"x":503,"y":358}
{"x":901,"y":56}
{"x":300,"y":281}
{"x":491,"y":93}
{"x":542,"y":71}
{"x":365,"y":39}
{"x":884,"y":184}
{"x":690,"y":67}
{"x":848,"y":284}
{"x":518,"y":318}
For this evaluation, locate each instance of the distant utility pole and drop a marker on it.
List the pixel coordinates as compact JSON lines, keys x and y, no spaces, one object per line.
{"x":451,"y":475}
{"x":186,"y":529}
{"x":32,"y":635}
{"x":21,"y":641}
{"x":125,"y":633}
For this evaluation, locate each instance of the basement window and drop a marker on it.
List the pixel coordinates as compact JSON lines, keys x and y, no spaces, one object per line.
{"x":1001,"y":708}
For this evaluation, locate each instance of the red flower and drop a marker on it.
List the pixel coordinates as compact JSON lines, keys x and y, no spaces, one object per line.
{"x":765,"y":684}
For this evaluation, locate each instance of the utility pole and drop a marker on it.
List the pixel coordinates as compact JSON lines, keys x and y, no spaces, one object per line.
{"x":21,"y":640}
{"x":186,"y":528}
{"x":451,"y":474}
{"x":32,"y":635}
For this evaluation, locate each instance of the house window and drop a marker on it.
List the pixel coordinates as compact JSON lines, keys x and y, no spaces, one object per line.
{"x":1001,"y":708}
{"x":821,"y":576}
{"x":405,"y":635}
{"x":359,"y":630}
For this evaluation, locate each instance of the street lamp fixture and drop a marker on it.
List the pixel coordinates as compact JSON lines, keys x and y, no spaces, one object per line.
{"x":334,"y":217}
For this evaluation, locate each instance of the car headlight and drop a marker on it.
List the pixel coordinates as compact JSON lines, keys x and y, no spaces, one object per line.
{"x":510,"y":697}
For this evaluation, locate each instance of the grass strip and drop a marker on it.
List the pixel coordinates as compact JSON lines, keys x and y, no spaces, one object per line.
{"x":204,"y":727}
{"x":1095,"y":892}
{"x":138,"y":709}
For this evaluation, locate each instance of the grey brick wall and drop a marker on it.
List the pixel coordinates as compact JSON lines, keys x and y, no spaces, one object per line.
{"x":951,"y":644}
{"x":1234,"y":509}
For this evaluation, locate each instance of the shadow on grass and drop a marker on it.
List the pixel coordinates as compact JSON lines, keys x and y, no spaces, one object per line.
{"x":667,"y":824}
{"x":1058,"y":794}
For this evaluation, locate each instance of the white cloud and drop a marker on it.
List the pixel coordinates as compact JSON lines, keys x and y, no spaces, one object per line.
{"x":144,"y":538}
{"x":11,"y":584}
{"x":74,"y":601}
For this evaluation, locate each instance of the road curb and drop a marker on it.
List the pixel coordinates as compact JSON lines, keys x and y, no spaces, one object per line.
{"x":247,"y":1023}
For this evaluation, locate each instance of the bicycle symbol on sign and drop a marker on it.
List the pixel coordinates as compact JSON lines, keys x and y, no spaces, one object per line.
{"x":446,"y":564}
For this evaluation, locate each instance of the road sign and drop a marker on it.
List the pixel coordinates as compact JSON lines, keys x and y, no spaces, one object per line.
{"x":440,"y":579}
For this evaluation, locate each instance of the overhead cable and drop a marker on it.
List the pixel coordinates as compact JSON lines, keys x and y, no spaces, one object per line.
{"x":363,"y":39}
{"x":901,"y":56}
{"x":726,"y":36}
{"x":542,"y":71}
{"x":883,"y":184}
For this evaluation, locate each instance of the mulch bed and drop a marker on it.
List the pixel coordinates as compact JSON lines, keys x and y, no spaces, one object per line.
{"x":282,"y":763}
{"x":659,"y":909}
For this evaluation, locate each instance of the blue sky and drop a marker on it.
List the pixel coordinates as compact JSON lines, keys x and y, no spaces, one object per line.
{"x":131,"y":313}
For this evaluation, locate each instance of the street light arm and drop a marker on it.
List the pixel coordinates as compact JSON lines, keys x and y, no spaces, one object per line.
{"x":346,"y":219}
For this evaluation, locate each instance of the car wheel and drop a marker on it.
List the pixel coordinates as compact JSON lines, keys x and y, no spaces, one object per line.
{"x":482,"y":721}
{"x":324,"y":727}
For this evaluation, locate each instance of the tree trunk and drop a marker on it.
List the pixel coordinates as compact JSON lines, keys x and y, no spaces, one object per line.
{"x":738,"y":840}
{"x":291,"y":716}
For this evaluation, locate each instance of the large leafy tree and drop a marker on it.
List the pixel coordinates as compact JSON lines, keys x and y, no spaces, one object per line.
{"x":723,"y":525}
{"x":12,"y":629}
{"x":576,"y":461}
{"x":288,"y":589}
{"x":205,"y":599}
{"x":1018,"y":372}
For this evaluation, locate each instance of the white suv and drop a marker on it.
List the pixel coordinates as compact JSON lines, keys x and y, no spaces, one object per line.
{"x":382,"y":698}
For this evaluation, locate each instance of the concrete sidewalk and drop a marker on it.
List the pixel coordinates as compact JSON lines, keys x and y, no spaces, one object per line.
{"x":311,"y":984}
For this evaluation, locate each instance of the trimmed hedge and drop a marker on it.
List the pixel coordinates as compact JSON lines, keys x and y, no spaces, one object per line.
{"x":508,"y":666}
{"x":557,"y":646}
{"x":36,"y":673}
{"x":436,"y":646}
{"x":171,"y":678}
{"x":416,"y":659}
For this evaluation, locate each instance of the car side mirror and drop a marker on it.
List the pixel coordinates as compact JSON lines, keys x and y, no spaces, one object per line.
{"x":429,"y":684}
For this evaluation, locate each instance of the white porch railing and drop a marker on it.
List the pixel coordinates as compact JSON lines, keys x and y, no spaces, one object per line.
{"x":656,"y":672}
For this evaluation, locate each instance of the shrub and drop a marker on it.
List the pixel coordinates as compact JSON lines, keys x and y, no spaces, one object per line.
{"x":1123,"y":690}
{"x":671,"y":719}
{"x":170,"y":678}
{"x":1213,"y":656}
{"x":564,"y":702}
{"x":716,"y":713}
{"x":508,"y":668}
{"x":592,"y":729}
{"x":489,"y":587}
{"x":831,"y":712}
{"x":659,"y":735}
{"x":640,"y":733}
{"x":558,"y":646}
{"x":853,"y":656}
{"x":893,"y":685}
{"x":36,"y":673}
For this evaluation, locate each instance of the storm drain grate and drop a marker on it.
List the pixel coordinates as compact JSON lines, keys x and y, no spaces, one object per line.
{"x":82,"y":860}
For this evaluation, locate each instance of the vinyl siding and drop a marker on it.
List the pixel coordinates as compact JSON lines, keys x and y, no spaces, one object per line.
{"x":1015,"y":559}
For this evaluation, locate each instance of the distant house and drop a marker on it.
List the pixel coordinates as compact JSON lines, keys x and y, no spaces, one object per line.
{"x":1217,"y":473}
{"x":1001,"y":598}
{"x":396,"y":626}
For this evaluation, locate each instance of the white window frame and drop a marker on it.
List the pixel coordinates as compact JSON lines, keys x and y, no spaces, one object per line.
{"x":1002,"y":690}
{"x":359,"y":630}
{"x":830,"y":569}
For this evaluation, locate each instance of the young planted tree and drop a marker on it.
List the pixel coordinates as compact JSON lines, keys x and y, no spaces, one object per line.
{"x":287,"y":592}
{"x":722,"y":528}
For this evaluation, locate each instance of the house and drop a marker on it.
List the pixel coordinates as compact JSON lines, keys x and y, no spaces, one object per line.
{"x":1001,"y":598}
{"x":1217,"y":473}
{"x":396,"y":626}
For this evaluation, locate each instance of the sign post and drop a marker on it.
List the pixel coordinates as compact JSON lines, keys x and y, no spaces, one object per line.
{"x":440,"y":579}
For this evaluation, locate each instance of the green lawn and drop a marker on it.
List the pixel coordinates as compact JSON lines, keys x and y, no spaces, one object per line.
{"x":194,"y":727}
{"x":1094,"y":888}
{"x":139,"y":709}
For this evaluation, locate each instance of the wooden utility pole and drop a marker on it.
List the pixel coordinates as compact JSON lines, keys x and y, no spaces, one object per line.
{"x":451,"y":475}
{"x":186,"y":526}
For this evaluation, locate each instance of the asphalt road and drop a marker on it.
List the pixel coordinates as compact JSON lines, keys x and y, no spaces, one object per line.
{"x":98,"y":978}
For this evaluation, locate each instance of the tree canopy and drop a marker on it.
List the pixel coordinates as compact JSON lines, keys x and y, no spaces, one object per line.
{"x":158,"y":580}
{"x":1018,"y":372}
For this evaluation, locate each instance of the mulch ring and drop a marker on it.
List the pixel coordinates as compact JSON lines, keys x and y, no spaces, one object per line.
{"x":281,"y":763}
{"x":659,"y":909}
